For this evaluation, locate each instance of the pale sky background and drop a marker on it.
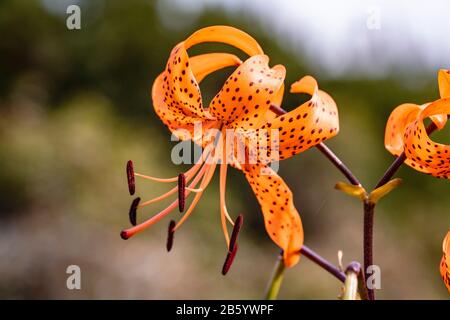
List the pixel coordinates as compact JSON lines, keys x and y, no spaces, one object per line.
{"x":363,"y":38}
{"x":372,"y":38}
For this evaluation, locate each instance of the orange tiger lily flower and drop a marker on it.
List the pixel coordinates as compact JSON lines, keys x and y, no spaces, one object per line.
{"x":445,"y":262}
{"x":405,"y":132}
{"x":242,"y":106}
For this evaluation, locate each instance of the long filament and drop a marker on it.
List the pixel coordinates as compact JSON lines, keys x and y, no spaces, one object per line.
{"x":188,"y":174}
{"x":191,"y":172}
{"x":205,"y":181}
{"x":223,"y":208}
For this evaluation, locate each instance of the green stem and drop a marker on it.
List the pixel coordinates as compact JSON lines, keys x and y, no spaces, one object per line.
{"x":276,"y":280}
{"x":350,"y":287}
{"x":354,"y":283}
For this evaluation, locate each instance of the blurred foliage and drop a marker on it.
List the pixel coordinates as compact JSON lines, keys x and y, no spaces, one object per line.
{"x":75,"y":105}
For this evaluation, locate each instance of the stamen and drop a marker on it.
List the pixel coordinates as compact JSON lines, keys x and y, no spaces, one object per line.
{"x":155,"y":178}
{"x":133,"y":209}
{"x":181,"y":191}
{"x":166,"y":195}
{"x":236,"y":229}
{"x":130,"y":177}
{"x":205,"y":181}
{"x":195,"y":190}
{"x":224,"y":216}
{"x":229,"y":260}
{"x":190,"y":173}
{"x":161,"y":197}
{"x":213,"y":159}
{"x":223,"y":208}
{"x":170,"y":234}
{"x":125,"y":234}
{"x":223,"y":183}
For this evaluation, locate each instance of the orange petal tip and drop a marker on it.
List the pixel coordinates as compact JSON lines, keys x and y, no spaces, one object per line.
{"x":307,"y":84}
{"x":291,"y":259}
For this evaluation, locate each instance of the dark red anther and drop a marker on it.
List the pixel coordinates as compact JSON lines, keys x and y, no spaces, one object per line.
{"x":237,"y":227}
{"x":229,"y":260}
{"x":124,"y":235}
{"x":133,"y":209}
{"x":181,"y":191}
{"x":130,"y":177}
{"x":170,"y":234}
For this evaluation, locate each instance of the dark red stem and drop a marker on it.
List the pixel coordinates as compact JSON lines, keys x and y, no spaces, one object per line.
{"x":322,"y":262}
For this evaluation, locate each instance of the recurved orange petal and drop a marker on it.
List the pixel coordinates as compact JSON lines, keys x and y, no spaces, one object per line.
{"x":399,"y":119}
{"x":444,"y":83}
{"x":277,"y":100}
{"x":173,"y":114}
{"x":204,"y":64}
{"x":247,"y":94}
{"x":281,"y":218}
{"x":302,"y":128}
{"x":228,"y":35}
{"x":444,"y":90}
{"x":423,"y":153}
{"x":407,"y":112}
{"x":445,"y":261}
{"x":176,"y":94}
{"x":180,"y":87}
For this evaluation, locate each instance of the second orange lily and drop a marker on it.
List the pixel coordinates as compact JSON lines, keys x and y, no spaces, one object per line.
{"x":405,"y":132}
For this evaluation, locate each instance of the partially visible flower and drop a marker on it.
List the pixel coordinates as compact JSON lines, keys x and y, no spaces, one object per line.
{"x":445,"y":262}
{"x":243,"y":105}
{"x":405,"y":132}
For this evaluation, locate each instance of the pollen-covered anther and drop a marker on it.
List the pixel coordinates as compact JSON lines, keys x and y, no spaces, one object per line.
{"x":229,"y":260}
{"x":236,"y":229}
{"x":130,"y":177}
{"x":133,"y":210}
{"x":170,"y":234}
{"x":181,"y":191}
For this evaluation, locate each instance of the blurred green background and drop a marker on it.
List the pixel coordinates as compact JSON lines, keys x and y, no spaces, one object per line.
{"x":75,"y":106}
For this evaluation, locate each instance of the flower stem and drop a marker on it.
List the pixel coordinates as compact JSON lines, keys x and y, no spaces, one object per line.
{"x":354,"y":283}
{"x":369,"y":210}
{"x":351,"y":287}
{"x":276,"y":280}
{"x":338,"y":163}
{"x":322,"y":262}
{"x":278,"y":273}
